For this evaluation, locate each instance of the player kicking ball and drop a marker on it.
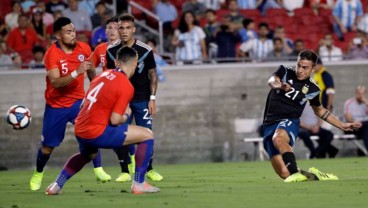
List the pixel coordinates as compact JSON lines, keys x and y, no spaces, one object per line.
{"x":101,"y":124}
{"x":291,"y":89}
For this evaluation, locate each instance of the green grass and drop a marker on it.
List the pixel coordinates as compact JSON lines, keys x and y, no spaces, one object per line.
{"x":225,"y":185}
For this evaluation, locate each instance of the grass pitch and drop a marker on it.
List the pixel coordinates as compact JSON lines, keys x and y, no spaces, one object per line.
{"x":245,"y":184}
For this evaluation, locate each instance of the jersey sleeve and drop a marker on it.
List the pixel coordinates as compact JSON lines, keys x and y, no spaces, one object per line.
{"x":281,"y":71}
{"x":150,"y":62}
{"x":87,"y":49}
{"x":51,"y":60}
{"x":124,"y":98}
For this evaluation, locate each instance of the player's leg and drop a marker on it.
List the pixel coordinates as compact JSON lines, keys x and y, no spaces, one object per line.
{"x":143,"y":118}
{"x":53,"y":130}
{"x":144,"y":138}
{"x":71,"y":167}
{"x":100,"y":174}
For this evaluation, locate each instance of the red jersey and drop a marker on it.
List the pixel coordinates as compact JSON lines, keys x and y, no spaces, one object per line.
{"x":55,"y":57}
{"x":111,"y":91}
{"x":99,"y":56}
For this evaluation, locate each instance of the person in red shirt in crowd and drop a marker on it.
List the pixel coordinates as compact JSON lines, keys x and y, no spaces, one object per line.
{"x":65,"y":63}
{"x":99,"y":54}
{"x":22,"y":39}
{"x":101,"y":123}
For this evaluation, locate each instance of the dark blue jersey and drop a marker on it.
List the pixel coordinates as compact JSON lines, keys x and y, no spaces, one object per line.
{"x":290,"y":105}
{"x":140,"y":79}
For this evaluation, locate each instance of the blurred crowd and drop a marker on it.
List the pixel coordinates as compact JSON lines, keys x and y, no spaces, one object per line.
{"x":198,"y":31}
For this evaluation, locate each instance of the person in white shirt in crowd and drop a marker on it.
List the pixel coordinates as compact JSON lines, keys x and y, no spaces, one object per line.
{"x":328,"y":51}
{"x":356,"y":109}
{"x":257,"y":48}
{"x":80,"y":18}
{"x":249,"y":4}
{"x":189,"y":40}
{"x":5,"y":60}
{"x":212,"y":4}
{"x":346,"y":15}
{"x":11,"y":19}
{"x":363,"y":22}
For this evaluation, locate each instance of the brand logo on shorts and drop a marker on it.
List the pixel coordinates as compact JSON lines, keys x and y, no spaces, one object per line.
{"x":81,"y":57}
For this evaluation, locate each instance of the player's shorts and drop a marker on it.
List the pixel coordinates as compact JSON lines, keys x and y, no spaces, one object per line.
{"x":55,"y":121}
{"x":112,"y":137}
{"x":140,"y":113}
{"x":291,"y":126}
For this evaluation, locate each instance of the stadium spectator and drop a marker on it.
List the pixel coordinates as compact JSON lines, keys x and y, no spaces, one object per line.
{"x":38,"y":26}
{"x":99,"y":16}
{"x":99,"y":33}
{"x":248,"y":31}
{"x":79,"y":17}
{"x":37,"y":62}
{"x":167,"y":13}
{"x":290,"y":5}
{"x":346,"y":15}
{"x":317,"y":5}
{"x":66,"y":64}
{"x":298,"y":47}
{"x":11,"y":19}
{"x":22,"y":39}
{"x":27,"y":5}
{"x":278,"y":53}
{"x":311,"y":125}
{"x":49,"y":28}
{"x":3,"y":30}
{"x":194,"y":6}
{"x":326,"y":84}
{"x":257,"y":48}
{"x":211,"y":28}
{"x":358,"y":49}
{"x":235,"y":16}
{"x":213,"y":4}
{"x":16,"y":60}
{"x":288,"y":43}
{"x":269,"y":4}
{"x":356,"y":110}
{"x":47,"y":17}
{"x":284,"y":107}
{"x":5,"y":59}
{"x":328,"y":51}
{"x":227,"y":38}
{"x":363,"y":23}
{"x":189,"y":40}
{"x":55,"y":5}
{"x":249,"y":4}
{"x":102,"y":124}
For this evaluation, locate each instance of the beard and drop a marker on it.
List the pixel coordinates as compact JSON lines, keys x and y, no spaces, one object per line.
{"x":71,"y":45}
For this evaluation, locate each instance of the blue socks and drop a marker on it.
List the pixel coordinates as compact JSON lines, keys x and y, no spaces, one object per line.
{"x":142,"y":158}
{"x":97,"y":160}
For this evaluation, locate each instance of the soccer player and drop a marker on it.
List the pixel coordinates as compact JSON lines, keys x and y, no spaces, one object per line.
{"x":99,"y":54}
{"x":291,"y":89}
{"x":144,"y":82}
{"x":101,"y":123}
{"x":65,"y":62}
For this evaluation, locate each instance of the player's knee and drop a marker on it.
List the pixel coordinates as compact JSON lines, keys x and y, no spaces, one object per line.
{"x":277,"y":142}
{"x":148,"y":134}
{"x":46,"y":150}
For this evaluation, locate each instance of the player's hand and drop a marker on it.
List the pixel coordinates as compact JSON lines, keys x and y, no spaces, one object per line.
{"x":285,"y":86}
{"x":128,"y":111}
{"x":83,"y":67}
{"x":351,"y":126}
{"x":152,"y":107}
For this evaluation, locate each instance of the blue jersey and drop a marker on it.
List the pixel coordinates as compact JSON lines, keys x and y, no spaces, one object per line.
{"x":290,"y":105}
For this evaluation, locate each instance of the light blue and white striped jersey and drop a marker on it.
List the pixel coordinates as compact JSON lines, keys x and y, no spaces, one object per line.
{"x":347,"y":11}
{"x":363,"y":23}
{"x":257,"y":49}
{"x":192,"y":44}
{"x":212,"y":4}
{"x":247,"y":4}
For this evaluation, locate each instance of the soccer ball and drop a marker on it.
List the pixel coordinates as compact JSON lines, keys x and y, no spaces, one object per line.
{"x":19,"y":117}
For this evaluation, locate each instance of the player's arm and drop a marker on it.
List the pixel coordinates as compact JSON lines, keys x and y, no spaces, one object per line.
{"x":325,"y":115}
{"x":275,"y":83}
{"x":117,"y":119}
{"x":153,"y":88}
{"x":57,"y":81}
{"x":91,"y":73}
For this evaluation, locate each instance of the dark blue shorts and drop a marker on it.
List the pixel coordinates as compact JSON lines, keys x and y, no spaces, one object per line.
{"x":141,"y":115}
{"x":112,"y":137}
{"x":55,"y":121}
{"x":291,"y":126}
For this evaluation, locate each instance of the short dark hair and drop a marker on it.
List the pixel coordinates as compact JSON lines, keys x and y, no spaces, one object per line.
{"x":246,"y":22}
{"x":210,"y":11}
{"x":308,"y":55}
{"x":126,"y":54}
{"x":263,"y":24}
{"x":112,"y":19}
{"x":152,"y":41}
{"x":38,"y":48}
{"x":126,"y":17}
{"x":61,"y":22}
{"x":277,"y":39}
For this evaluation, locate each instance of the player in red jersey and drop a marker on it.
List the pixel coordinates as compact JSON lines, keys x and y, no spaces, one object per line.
{"x":99,"y":54}
{"x":101,"y":123}
{"x":66,"y":64}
